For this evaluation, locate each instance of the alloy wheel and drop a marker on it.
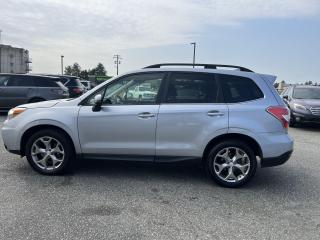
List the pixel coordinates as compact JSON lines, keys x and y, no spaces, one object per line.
{"x":231,"y":164}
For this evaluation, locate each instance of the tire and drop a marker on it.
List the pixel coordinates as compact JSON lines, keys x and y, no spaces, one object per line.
{"x":243,"y":168}
{"x":35,"y":100}
{"x":50,"y":152}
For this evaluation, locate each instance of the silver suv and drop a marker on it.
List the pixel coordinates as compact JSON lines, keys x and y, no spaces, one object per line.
{"x":228,"y":119}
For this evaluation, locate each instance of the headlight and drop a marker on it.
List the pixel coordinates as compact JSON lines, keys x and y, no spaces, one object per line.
{"x":15,"y":112}
{"x":300,"y":107}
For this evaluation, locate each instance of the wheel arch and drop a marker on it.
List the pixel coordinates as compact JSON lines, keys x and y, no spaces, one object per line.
{"x":233,"y":136}
{"x":30,"y":131}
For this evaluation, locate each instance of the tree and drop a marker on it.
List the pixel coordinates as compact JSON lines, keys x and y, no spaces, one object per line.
{"x":100,"y":70}
{"x":84,"y":74}
{"x":73,"y":70}
{"x":68,"y":70}
{"x":76,"y":69}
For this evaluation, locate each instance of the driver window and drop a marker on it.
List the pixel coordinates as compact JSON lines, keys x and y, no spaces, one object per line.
{"x":140,"y":89}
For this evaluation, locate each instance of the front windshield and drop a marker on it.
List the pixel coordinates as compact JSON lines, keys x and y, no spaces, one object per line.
{"x":306,"y":93}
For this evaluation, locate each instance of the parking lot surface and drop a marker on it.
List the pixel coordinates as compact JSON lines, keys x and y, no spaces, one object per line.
{"x":104,"y":200}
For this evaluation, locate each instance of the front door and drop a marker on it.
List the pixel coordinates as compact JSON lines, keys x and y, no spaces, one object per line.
{"x":125,"y":126}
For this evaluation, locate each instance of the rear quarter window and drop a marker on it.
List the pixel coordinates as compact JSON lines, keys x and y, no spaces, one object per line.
{"x":44,"y":82}
{"x":73,"y":82}
{"x":238,"y":89}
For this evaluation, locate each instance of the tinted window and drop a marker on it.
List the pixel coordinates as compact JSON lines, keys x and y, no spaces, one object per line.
{"x":20,"y":81}
{"x":306,"y":93}
{"x":192,"y":88}
{"x":238,"y":89}
{"x":73,"y":82}
{"x":3,"y":80}
{"x":44,"y":82}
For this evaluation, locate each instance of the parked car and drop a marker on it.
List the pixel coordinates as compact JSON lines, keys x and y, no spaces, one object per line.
{"x":225,"y":119}
{"x":86,"y":84}
{"x":17,"y":89}
{"x":303,"y":102}
{"x":142,"y":92}
{"x":73,"y":83}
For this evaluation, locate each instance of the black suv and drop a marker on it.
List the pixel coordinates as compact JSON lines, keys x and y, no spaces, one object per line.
{"x":303,"y":102}
{"x":73,"y":83}
{"x":17,"y":89}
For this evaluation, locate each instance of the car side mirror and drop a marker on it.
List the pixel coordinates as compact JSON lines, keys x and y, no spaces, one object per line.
{"x":97,"y":103}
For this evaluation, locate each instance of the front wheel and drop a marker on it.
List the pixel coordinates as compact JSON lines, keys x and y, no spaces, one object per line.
{"x":231,"y":163}
{"x":49,"y":152}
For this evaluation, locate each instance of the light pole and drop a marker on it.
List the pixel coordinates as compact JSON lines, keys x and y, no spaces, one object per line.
{"x":62,"y":64}
{"x":117,"y":61}
{"x":194,"y":53}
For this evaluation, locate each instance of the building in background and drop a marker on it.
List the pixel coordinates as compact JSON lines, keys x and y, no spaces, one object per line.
{"x":14,"y":60}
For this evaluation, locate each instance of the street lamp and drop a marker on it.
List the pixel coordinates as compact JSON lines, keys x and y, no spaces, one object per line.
{"x":194,"y":53}
{"x":62,"y":64}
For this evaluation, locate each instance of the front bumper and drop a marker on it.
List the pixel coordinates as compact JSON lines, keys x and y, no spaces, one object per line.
{"x":275,"y":161}
{"x":305,"y":117}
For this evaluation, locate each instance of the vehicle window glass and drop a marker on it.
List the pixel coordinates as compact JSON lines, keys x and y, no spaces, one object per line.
{"x":284,"y":92}
{"x":3,"y":81}
{"x":44,"y":82}
{"x":73,"y":82}
{"x":20,"y":81}
{"x":238,"y":89}
{"x":306,"y":93}
{"x":290,"y":91}
{"x":192,"y":88}
{"x":127,"y":91}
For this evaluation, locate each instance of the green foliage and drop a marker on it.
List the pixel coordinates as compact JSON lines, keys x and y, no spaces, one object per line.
{"x":75,"y":70}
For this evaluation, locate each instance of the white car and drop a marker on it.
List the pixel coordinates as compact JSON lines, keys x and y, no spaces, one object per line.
{"x":142,"y":92}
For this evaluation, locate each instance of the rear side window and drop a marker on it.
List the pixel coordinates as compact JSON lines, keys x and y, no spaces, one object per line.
{"x":3,"y":80}
{"x":238,"y":89}
{"x":44,"y":82}
{"x":74,"y":82}
{"x":20,"y":81}
{"x":192,"y":88}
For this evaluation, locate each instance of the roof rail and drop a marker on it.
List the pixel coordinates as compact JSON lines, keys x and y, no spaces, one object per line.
{"x":207,"y":66}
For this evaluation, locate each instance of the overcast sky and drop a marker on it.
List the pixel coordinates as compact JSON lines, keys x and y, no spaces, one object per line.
{"x":280,"y":37}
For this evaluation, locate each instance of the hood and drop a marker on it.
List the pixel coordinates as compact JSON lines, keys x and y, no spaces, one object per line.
{"x":45,"y":104}
{"x":308,"y":102}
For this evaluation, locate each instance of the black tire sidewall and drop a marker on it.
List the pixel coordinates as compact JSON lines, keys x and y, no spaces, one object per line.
{"x":67,"y":146}
{"x":231,"y":143}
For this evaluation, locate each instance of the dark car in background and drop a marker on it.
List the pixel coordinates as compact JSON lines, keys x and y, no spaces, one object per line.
{"x":303,"y":102}
{"x":73,"y":83}
{"x":17,"y":89}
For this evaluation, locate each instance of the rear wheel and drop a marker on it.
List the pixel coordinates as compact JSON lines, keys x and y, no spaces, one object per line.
{"x":49,"y":152}
{"x":231,"y":163}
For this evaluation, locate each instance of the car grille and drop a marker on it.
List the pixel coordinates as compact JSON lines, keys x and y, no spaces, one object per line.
{"x":315,"y":110}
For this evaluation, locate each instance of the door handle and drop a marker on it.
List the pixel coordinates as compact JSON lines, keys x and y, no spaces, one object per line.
{"x":146,"y":115}
{"x":215,"y":113}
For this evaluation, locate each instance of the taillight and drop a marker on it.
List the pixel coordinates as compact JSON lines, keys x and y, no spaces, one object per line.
{"x":281,"y":113}
{"x":77,"y":90}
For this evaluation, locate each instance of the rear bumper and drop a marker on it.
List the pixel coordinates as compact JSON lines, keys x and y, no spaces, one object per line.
{"x":275,"y":161}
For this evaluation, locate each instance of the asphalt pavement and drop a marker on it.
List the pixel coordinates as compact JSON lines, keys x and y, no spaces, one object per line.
{"x":108,"y":200}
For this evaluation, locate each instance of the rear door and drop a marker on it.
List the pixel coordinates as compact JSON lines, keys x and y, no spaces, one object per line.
{"x":191,"y":114}
{"x":17,"y":90}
